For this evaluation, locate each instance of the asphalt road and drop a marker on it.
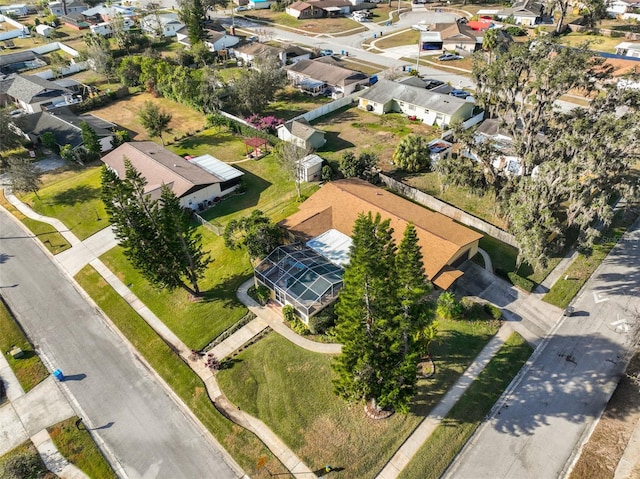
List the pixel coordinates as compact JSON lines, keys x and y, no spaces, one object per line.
{"x":144,"y":428}
{"x":537,"y":430}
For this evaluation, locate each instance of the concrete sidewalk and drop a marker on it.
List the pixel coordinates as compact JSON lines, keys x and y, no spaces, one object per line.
{"x":27,"y":416}
{"x":415,"y":441}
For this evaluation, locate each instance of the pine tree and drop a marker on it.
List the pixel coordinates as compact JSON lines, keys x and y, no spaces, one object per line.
{"x":157,"y":236}
{"x":90,"y":138}
{"x":366,"y":311}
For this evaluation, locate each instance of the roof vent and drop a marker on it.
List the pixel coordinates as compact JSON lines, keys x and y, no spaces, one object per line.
{"x":175,"y":166}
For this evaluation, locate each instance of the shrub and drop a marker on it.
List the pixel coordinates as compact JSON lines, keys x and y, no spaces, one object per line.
{"x":516,"y":31}
{"x":493,"y":311}
{"x":292,"y":320}
{"x":25,"y":465}
{"x":327,"y":173}
{"x":448,"y":307}
{"x":323,"y":321}
{"x":263,"y":294}
{"x":472,"y":310}
{"x":521,"y":282}
{"x":288,"y":313}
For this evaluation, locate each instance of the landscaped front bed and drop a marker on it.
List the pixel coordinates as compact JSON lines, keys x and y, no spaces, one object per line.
{"x":290,"y":389}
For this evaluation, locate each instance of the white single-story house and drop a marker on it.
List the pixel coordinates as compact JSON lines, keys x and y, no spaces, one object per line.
{"x":451,"y":36}
{"x":431,"y":107}
{"x":166,"y":24}
{"x":302,"y":134}
{"x":619,"y":7}
{"x":525,"y":12}
{"x":214,"y":40}
{"x":64,"y":125}
{"x":32,"y":93}
{"x":628,"y":49}
{"x":310,"y":168}
{"x":249,"y":52}
{"x":315,"y":77}
{"x":196,"y":188}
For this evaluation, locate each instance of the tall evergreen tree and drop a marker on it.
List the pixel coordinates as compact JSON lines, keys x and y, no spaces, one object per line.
{"x":157,"y":236}
{"x":368,"y":314}
{"x":90,"y":138}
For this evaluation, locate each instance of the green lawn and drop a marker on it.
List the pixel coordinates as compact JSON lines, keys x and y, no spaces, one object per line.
{"x":290,"y":389}
{"x":46,"y":233}
{"x":74,"y":198}
{"x":599,"y":43}
{"x":26,"y":449}
{"x":564,"y":290}
{"x":465,"y":416}
{"x":242,"y":445}
{"x":78,"y":447}
{"x":290,"y":102}
{"x":197,"y":323}
{"x":29,"y":369}
{"x":409,"y":37}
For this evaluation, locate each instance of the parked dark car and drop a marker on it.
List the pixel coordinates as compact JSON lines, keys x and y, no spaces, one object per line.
{"x":431,"y":83}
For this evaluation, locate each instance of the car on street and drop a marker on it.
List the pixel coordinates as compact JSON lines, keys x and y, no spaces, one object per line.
{"x":459,"y":93}
{"x":430,"y":83}
{"x":326,"y":52}
{"x":448,"y":57}
{"x":421,"y":27}
{"x":241,"y":8}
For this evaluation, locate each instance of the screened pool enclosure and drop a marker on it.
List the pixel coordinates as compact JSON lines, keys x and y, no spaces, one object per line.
{"x":299,"y":276}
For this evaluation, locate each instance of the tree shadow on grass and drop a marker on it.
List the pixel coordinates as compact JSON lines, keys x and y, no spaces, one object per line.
{"x":232,"y":204}
{"x":225,"y":290}
{"x":335,"y":143}
{"x":79,"y":194}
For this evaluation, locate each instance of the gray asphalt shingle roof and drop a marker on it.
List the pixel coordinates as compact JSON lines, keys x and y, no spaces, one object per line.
{"x":31,"y":88}
{"x":385,"y":91}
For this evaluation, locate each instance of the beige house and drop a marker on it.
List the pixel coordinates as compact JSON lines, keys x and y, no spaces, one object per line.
{"x":445,"y":243}
{"x":193,"y":183}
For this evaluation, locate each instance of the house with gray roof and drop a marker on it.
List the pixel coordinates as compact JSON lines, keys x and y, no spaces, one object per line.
{"x":431,"y":107}
{"x":302,"y":134}
{"x":20,"y":61}
{"x":65,"y":127}
{"x":214,"y":39}
{"x":196,"y":187}
{"x":315,"y":77}
{"x":525,"y":12}
{"x":32,"y":93}
{"x":164,"y":25}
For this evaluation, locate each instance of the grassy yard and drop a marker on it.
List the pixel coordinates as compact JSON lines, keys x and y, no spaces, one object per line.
{"x":290,"y":390}
{"x":78,"y":447}
{"x":29,"y":369}
{"x":485,"y":207}
{"x":26,"y":449}
{"x":245,"y":448}
{"x":290,"y":102}
{"x":359,"y":130}
{"x":321,"y":25}
{"x":124,"y":113}
{"x":599,"y":43}
{"x":73,"y":197}
{"x":467,"y":414}
{"x":408,"y":37}
{"x":46,"y":233}
{"x":564,"y":290}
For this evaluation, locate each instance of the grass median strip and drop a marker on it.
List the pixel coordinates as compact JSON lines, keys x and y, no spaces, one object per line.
{"x":465,"y":416}
{"x":245,"y":448}
{"x":29,"y":369}
{"x":78,"y":447}
{"x":46,"y":233}
{"x":565,"y":289}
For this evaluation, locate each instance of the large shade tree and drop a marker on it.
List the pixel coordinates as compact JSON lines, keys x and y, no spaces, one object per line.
{"x":155,"y":120}
{"x":158,"y":236}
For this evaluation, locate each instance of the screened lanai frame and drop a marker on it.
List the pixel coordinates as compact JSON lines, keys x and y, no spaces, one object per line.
{"x":301,"y":277}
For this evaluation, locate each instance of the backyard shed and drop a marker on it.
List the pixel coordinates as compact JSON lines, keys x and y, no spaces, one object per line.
{"x":310,"y":168}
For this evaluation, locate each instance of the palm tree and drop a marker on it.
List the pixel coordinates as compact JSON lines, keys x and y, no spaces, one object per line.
{"x":490,"y":41}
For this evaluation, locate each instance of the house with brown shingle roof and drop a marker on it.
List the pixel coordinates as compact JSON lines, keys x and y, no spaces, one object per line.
{"x":308,"y":74}
{"x":445,"y":244}
{"x":193,"y":185}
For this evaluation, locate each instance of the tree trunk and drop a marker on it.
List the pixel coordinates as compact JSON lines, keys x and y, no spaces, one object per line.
{"x":161,"y":139}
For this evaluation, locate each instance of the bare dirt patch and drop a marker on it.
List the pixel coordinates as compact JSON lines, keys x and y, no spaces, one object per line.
{"x":601,"y":454}
{"x":125,"y":113}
